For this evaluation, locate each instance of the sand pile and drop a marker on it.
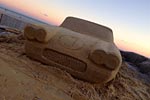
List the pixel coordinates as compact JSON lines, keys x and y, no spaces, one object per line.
{"x":22,"y":78}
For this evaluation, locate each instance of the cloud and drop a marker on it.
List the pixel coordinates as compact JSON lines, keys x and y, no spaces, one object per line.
{"x":44,"y":14}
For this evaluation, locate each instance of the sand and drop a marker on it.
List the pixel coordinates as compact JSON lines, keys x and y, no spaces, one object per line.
{"x":22,"y":78}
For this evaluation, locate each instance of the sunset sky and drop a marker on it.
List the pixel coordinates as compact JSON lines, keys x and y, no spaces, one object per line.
{"x":129,"y":19}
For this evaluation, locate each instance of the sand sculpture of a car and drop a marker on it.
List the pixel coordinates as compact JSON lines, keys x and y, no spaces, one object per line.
{"x":84,"y":49}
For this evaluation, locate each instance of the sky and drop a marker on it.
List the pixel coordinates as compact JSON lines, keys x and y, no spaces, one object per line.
{"x":129,"y":19}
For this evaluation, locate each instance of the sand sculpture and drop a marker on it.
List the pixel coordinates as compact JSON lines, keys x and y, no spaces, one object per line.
{"x":84,"y":49}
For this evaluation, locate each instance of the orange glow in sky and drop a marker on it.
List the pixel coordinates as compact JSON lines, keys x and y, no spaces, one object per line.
{"x":129,"y":19}
{"x":33,"y":9}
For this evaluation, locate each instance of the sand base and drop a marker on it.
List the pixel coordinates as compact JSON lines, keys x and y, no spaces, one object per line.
{"x":22,"y":78}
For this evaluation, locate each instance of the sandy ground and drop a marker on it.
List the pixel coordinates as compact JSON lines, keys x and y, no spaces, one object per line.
{"x":22,"y":78}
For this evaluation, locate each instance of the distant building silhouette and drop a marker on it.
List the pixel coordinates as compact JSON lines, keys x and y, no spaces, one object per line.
{"x":16,"y":20}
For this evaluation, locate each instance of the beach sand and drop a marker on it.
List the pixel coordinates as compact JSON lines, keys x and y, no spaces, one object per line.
{"x":22,"y":78}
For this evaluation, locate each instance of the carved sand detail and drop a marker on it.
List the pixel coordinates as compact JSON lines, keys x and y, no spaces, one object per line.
{"x":88,"y":28}
{"x":86,"y":52}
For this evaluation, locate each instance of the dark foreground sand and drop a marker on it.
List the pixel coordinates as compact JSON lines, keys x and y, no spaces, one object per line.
{"x":22,"y":78}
